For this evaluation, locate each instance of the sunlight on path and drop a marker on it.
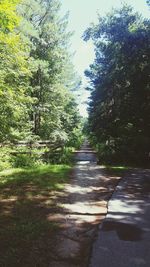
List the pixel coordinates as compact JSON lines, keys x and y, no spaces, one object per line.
{"x":84,"y":207}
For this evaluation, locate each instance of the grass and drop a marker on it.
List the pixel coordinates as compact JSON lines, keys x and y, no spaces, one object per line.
{"x":27,"y":197}
{"x":47,"y":176}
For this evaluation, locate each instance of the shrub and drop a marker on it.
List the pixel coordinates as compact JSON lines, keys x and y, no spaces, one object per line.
{"x":5,"y":159}
{"x":23,"y":160}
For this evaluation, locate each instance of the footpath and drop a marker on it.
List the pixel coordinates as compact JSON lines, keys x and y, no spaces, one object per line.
{"x":83,"y":207}
{"x":104,"y":219}
{"x":123,"y":238}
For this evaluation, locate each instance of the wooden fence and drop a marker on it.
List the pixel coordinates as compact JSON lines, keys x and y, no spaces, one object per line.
{"x":31,"y":145}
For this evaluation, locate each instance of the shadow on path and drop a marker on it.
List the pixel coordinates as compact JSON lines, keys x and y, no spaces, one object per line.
{"x":43,"y":225}
{"x":124,"y":237}
{"x":83,"y":209}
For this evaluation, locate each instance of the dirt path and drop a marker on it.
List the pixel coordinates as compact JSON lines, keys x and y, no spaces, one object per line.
{"x":83,"y":207}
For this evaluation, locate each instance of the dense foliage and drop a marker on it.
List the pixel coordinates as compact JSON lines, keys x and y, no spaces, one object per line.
{"x":119,"y":109}
{"x":36,"y":74}
{"x":14,"y":72}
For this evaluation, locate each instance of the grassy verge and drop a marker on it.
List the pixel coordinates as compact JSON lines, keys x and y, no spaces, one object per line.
{"x":27,"y":197}
{"x":47,"y":176}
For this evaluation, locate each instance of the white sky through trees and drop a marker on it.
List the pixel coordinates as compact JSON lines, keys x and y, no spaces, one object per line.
{"x":81,"y":14}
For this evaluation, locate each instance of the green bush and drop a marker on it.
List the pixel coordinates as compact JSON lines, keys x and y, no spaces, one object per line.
{"x":5,"y":158}
{"x":76,"y":138}
{"x":23,"y":160}
{"x":67,"y":155}
{"x":61,"y":156}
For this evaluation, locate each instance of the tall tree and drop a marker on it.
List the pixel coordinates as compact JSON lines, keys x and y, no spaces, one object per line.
{"x":36,"y":73}
{"x":52,"y":71}
{"x":13,"y":72}
{"x":119,"y":112}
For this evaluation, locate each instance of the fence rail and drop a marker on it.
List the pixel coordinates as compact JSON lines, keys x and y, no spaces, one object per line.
{"x":31,"y":145}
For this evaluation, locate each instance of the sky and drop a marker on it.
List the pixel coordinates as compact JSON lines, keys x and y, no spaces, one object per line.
{"x":81,"y":14}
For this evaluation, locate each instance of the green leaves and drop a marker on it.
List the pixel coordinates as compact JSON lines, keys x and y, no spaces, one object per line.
{"x":8,"y":16}
{"x":119,"y":78}
{"x":36,"y":73}
{"x":13,"y":72}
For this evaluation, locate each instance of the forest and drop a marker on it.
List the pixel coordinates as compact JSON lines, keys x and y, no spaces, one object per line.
{"x":37,"y":81}
{"x":41,"y":129}
{"x":119,"y":81}
{"x":39,"y":117}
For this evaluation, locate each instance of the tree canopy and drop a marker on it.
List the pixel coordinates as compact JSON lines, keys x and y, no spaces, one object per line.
{"x":36,"y":74}
{"x":119,"y":109}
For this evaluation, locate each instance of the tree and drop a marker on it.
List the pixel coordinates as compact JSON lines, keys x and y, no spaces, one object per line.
{"x":13,"y":72}
{"x":119,"y":112}
{"x":53,"y":76}
{"x":37,"y":75}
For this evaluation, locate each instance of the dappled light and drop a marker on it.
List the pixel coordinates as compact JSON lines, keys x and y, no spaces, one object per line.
{"x":41,"y":204}
{"x":74,"y":133}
